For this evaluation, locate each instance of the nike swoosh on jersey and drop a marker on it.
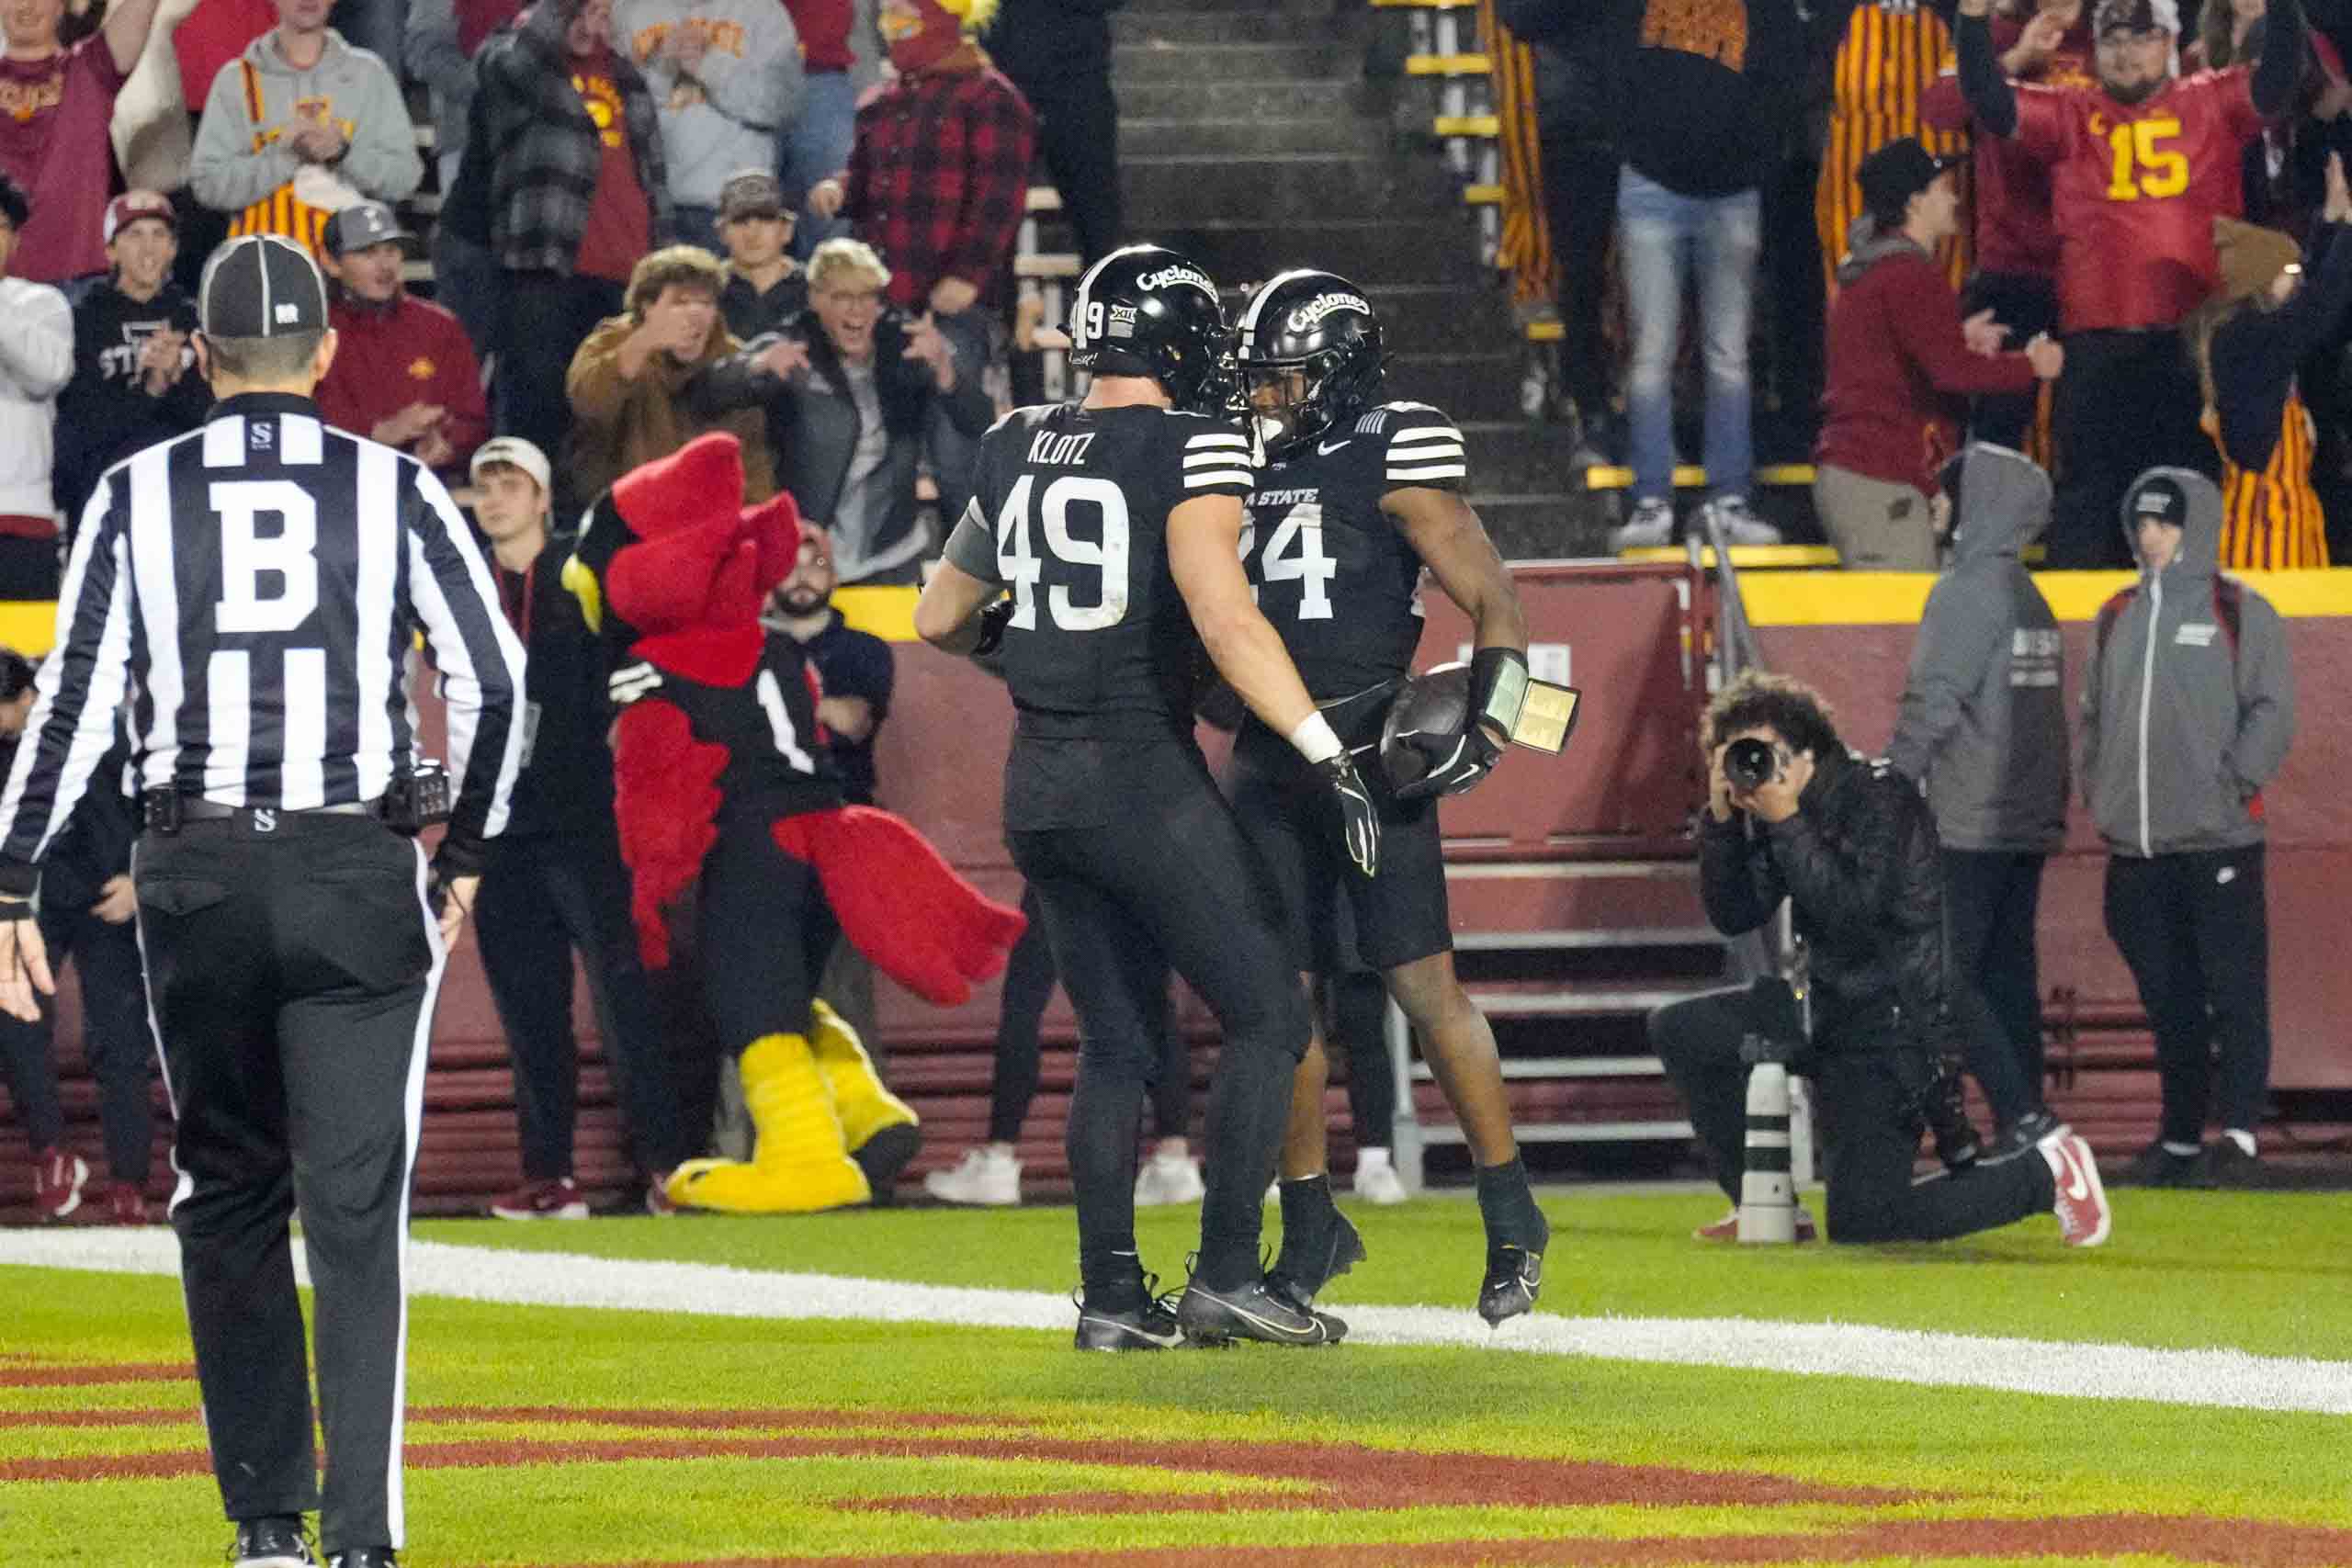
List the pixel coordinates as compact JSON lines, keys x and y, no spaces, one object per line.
{"x":1325,"y":448}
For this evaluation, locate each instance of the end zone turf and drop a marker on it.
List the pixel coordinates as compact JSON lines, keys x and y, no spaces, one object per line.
{"x":556,"y":1437}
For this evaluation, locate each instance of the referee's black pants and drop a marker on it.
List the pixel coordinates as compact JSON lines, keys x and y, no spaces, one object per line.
{"x":1865,"y":1096}
{"x":542,"y":895}
{"x":292,"y":971}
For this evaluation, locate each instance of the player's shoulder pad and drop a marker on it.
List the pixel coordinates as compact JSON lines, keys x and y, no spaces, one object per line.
{"x":1217,"y":454}
{"x":1423,"y":447}
{"x":1024,"y":418}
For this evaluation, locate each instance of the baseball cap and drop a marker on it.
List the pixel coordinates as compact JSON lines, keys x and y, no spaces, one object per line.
{"x":1897,"y":172}
{"x":130,"y":207}
{"x":2135,"y":16}
{"x":2160,"y":498}
{"x":261,"y":285}
{"x":753,"y":193}
{"x":511,"y":449}
{"x":360,"y":225}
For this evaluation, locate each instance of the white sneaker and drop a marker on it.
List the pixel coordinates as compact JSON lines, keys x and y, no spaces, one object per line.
{"x":1377,"y":1182}
{"x":1651,"y":525}
{"x":983,"y":1177}
{"x":1738,"y":523}
{"x":1168,"y":1177}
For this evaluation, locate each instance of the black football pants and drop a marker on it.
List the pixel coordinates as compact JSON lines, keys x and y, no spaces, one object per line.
{"x":292,"y":971}
{"x":2195,"y":928}
{"x":1029,"y":980}
{"x":542,"y":895}
{"x":1867,"y":1125}
{"x":115,"y":1039}
{"x":1170,"y":882}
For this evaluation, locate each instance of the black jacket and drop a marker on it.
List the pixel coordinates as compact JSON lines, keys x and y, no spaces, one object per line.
{"x":813,"y":427}
{"x":1859,"y":863}
{"x":566,"y":784}
{"x":1570,"y":40}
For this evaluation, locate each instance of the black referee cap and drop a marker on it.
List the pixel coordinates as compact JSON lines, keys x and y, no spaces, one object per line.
{"x":261,"y":286}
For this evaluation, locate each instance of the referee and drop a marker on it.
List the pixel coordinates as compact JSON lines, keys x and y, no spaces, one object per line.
{"x":256,"y":586}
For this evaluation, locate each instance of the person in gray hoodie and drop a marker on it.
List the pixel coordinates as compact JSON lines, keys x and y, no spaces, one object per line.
{"x":724,"y":74}
{"x":299,"y":127}
{"x":1983,"y":729}
{"x":2188,"y":711}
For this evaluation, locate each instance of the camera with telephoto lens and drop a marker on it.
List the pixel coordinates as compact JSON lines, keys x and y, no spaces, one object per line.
{"x":1750,"y":763}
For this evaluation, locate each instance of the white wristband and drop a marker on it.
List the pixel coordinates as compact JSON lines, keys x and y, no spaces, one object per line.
{"x":1315,"y":740}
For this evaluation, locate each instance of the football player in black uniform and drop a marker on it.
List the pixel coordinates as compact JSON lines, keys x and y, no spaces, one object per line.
{"x":1356,"y":497}
{"x":1115,"y":523}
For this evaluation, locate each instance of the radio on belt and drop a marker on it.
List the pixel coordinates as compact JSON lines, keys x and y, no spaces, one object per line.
{"x":418,"y":798}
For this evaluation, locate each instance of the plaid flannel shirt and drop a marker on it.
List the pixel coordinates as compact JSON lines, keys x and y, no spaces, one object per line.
{"x":938,"y":177}
{"x":547,"y":151}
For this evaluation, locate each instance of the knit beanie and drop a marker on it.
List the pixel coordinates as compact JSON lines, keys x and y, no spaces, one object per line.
{"x":2251,"y":257}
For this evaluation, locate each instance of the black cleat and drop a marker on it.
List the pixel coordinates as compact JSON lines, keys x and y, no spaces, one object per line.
{"x":365,"y":1557}
{"x":277,"y":1541}
{"x":1149,"y":1325}
{"x":1514,"y":1279}
{"x":1253,"y":1311}
{"x":1312,"y":1261}
{"x":2157,"y":1166}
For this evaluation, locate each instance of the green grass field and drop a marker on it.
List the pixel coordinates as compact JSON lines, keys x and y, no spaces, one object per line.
{"x":558,"y":1436}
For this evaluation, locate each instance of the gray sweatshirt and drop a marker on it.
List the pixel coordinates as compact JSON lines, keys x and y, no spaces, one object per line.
{"x":721,"y":118}
{"x":2180,"y":730}
{"x":240,"y":159}
{"x":1982,"y":722}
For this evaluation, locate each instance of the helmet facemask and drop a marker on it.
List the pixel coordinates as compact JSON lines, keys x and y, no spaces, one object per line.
{"x":1292,"y":400}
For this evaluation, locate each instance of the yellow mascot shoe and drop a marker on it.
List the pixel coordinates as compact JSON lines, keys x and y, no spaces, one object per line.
{"x":864,"y":1103}
{"x":881,"y":1129}
{"x":799,"y":1163}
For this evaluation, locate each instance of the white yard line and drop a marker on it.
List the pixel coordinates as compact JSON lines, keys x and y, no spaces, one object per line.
{"x":2231,"y":1379}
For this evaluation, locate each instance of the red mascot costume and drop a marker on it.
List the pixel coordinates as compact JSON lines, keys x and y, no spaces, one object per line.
{"x":743,"y":857}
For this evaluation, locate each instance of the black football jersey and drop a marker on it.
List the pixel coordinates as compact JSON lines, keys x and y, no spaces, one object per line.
{"x":775,"y":759}
{"x":1100,"y":645}
{"x":1333,"y":573}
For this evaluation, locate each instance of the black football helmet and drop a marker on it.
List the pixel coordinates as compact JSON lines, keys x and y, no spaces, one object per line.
{"x":1321,"y":326}
{"x":1146,"y":310}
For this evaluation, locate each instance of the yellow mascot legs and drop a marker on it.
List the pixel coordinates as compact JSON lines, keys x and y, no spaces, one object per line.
{"x":800,"y":1161}
{"x":878,"y":1127}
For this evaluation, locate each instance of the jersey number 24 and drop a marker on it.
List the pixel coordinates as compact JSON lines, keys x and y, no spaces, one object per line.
{"x":1294,"y":552}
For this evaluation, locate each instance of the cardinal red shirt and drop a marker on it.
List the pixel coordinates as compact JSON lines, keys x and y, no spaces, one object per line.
{"x":2135,"y":189}
{"x":620,"y":218}
{"x":2011,"y":188}
{"x":53,"y":142}
{"x":409,"y":351}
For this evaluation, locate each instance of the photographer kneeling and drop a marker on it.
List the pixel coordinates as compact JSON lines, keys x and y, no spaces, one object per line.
{"x":1852,"y":844}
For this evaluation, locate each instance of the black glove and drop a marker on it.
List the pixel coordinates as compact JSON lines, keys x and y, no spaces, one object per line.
{"x":1472,"y":759}
{"x":1359,"y":818}
{"x":993,"y":620}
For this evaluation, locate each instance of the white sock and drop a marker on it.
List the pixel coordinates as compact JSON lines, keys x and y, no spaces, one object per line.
{"x":2242,"y":1138}
{"x":2185,"y":1151}
{"x":1371,"y":1159}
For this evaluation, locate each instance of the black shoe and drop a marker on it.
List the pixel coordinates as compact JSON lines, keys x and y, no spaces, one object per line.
{"x":2226,"y":1164}
{"x":1514,"y":1279}
{"x":1311,"y":1261}
{"x":2157,"y":1166}
{"x":365,"y":1557}
{"x":1151,"y":1324}
{"x":1253,"y":1312}
{"x":2022,"y":1136}
{"x":277,"y":1541}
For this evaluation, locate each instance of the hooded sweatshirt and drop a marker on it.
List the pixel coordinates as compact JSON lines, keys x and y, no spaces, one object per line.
{"x":243,"y":156}
{"x":722,"y":116}
{"x":35,"y":361}
{"x":1898,"y":365}
{"x":2182,"y":723}
{"x":1982,"y":722}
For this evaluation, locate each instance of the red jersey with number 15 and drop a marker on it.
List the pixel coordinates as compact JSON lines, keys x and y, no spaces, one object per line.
{"x":2135,"y":189}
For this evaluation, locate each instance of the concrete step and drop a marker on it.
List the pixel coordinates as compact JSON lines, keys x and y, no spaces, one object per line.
{"x":1372,"y":252}
{"x":1547,"y":526}
{"x":1324,"y":133}
{"x":1440,"y":318}
{"x":1205,"y":96}
{"x":1467,"y":386}
{"x":1202,"y":24}
{"x":1132,"y":64}
{"x":1174,"y":189}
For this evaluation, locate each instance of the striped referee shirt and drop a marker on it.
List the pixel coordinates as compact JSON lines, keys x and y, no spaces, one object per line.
{"x":254,"y":588}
